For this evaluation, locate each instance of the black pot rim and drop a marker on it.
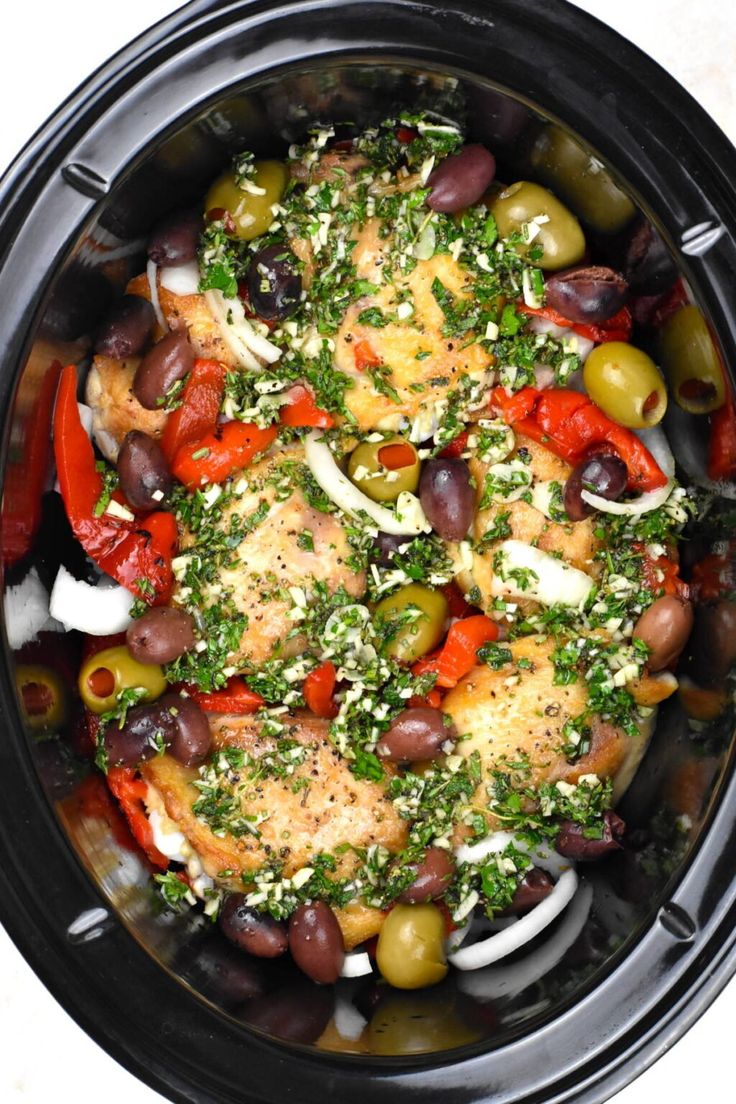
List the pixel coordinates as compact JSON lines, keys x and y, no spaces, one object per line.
{"x":681,"y":967}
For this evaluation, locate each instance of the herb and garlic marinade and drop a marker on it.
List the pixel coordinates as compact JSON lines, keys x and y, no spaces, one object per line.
{"x":423,"y":595}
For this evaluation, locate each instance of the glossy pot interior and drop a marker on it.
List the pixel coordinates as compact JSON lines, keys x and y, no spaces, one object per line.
{"x":146,"y":140}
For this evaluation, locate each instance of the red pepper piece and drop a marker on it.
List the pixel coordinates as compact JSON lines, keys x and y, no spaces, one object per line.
{"x":319,"y":688}
{"x":94,"y":801}
{"x":136,"y":554}
{"x":457,"y":603}
{"x":130,"y":793}
{"x":236,"y":698}
{"x":394,"y":457}
{"x":458,"y":656}
{"x":406,"y":134}
{"x":217,"y":455}
{"x":671,"y":584}
{"x":722,"y":441}
{"x":456,"y":446}
{"x":364,"y":355}
{"x":200,"y":404}
{"x":26,"y":474}
{"x":616,"y":328}
{"x":301,"y":409}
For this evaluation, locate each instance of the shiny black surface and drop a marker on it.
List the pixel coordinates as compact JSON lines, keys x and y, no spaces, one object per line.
{"x":144,"y":136}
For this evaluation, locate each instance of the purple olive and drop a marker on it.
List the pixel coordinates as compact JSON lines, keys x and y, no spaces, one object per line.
{"x":417,"y":733}
{"x":461,"y":179}
{"x":587,"y":293}
{"x":169,"y":360}
{"x":665,"y":628}
{"x":192,"y":738}
{"x":274,"y":285}
{"x":603,"y":475}
{"x":298,"y":1013}
{"x":648,"y":265}
{"x":447,"y":497}
{"x":533,"y":888}
{"x":161,"y":635}
{"x":174,"y":241}
{"x":432,"y":877}
{"x":146,"y":730}
{"x":316,"y":942}
{"x":126,"y":329}
{"x":143,"y":470}
{"x":255,"y":932}
{"x":387,"y":544}
{"x":572,"y":842}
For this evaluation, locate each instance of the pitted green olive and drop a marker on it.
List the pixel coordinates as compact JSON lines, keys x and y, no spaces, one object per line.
{"x":558,"y":233}
{"x":383,"y":469}
{"x":411,"y":621}
{"x":585,"y":184}
{"x":624,"y":382}
{"x":105,"y":675}
{"x":691,"y":363}
{"x":411,"y":947}
{"x":251,"y":213}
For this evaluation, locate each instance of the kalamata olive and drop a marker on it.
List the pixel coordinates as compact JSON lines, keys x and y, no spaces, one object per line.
{"x":447,"y":497}
{"x":169,"y":360}
{"x":417,"y":733}
{"x":161,"y":635}
{"x":388,"y":543}
{"x":572,"y":842}
{"x":147,"y":729}
{"x":600,"y":474}
{"x":461,"y":179}
{"x":214,"y":968}
{"x":433,"y":876}
{"x":255,"y":932}
{"x":648,"y":265}
{"x":587,"y":293}
{"x":126,"y":329}
{"x":143,"y":470}
{"x":274,"y":285}
{"x":665,"y":628}
{"x":316,"y":943}
{"x":533,"y":888}
{"x":297,"y":1013}
{"x":175,"y":239}
{"x":192,"y":737}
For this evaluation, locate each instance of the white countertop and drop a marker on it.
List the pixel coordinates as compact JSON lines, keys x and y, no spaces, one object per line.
{"x":46,"y":1057}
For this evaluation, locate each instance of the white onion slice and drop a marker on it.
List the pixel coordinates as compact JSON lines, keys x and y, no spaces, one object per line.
{"x":556,"y":582}
{"x":238,"y":333}
{"x":26,"y":610}
{"x":651,"y":500}
{"x":408,"y":520}
{"x":151,"y":270}
{"x":86,"y":417}
{"x":181,"y":279}
{"x":98,"y":610}
{"x":349,"y":1022}
{"x":356,"y":964}
{"x":655,"y":439}
{"x":505,"y":981}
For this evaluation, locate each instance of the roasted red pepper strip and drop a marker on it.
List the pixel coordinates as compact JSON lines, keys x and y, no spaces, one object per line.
{"x":27,"y":473}
{"x":571,"y":426}
{"x":217,"y":455}
{"x":131,"y":793}
{"x":457,"y":603}
{"x":318,"y":690}
{"x":670,"y":583}
{"x":456,"y":446}
{"x":722,"y":441}
{"x":136,"y":554}
{"x":236,"y":697}
{"x":200,"y":404}
{"x":457,"y":656}
{"x":364,"y":356}
{"x":616,"y":328}
{"x":300,"y":409}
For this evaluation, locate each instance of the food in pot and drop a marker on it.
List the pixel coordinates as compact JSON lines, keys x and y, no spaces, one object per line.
{"x":403,"y":574}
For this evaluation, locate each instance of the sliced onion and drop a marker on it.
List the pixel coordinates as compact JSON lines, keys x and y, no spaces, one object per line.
{"x":98,"y":610}
{"x":26,"y":610}
{"x":356,"y":964}
{"x":408,"y":520}
{"x":238,"y":333}
{"x":655,"y":439}
{"x":151,"y":270}
{"x":506,"y":981}
{"x":349,"y":1022}
{"x":553,"y":582}
{"x":181,"y":279}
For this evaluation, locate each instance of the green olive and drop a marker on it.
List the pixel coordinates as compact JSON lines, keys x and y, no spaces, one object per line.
{"x":412,"y":621}
{"x":250,"y":213}
{"x":411,"y":947}
{"x":560,"y":236}
{"x":422,"y":1022}
{"x":691,"y":363}
{"x":624,"y":382}
{"x":383,"y":469}
{"x":43,"y":696}
{"x":565,"y":165}
{"x":105,"y":675}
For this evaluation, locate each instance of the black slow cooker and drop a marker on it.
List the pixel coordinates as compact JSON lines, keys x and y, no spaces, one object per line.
{"x":556,"y":95}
